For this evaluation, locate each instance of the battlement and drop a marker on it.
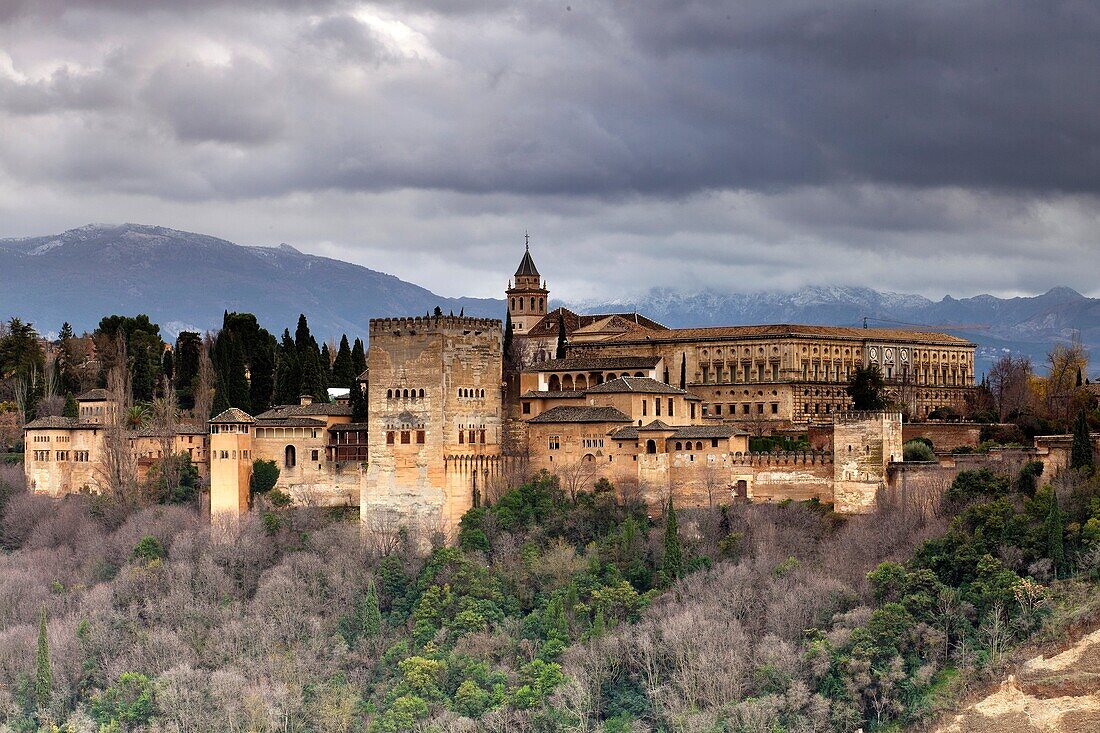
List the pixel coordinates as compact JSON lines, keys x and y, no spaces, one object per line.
{"x":854,"y":416}
{"x":785,"y":458}
{"x":434,"y":324}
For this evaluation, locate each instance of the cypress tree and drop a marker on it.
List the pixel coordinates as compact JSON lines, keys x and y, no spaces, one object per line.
{"x":343,"y":372}
{"x":288,"y":375}
{"x":370,"y":613}
{"x":560,"y":354}
{"x":1081,"y":453}
{"x":186,"y":367}
{"x":358,"y":402}
{"x":683,"y":371}
{"x":508,"y":336}
{"x":326,"y":359}
{"x":672,"y":565}
{"x":167,"y":365}
{"x":358,"y":358}
{"x":231,"y":381}
{"x":261,"y":369}
{"x":314,"y":380}
{"x":43,"y":675}
{"x":72,"y":409}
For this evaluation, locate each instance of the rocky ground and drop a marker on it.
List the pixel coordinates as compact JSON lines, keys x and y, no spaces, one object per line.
{"x":1059,"y":694}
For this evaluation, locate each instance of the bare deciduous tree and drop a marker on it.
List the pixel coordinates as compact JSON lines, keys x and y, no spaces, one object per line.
{"x":117,"y":470}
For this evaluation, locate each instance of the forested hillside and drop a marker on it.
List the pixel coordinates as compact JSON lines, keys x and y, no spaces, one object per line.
{"x":548,"y":614}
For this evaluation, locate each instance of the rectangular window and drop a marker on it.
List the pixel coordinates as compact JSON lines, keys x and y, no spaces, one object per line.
{"x":554,"y":442}
{"x":670,"y":407}
{"x":420,"y":437}
{"x":526,"y":408}
{"x":644,"y":408}
{"x":481,"y":437}
{"x":657,"y":407}
{"x":313,"y":455}
{"x":775,"y":408}
{"x":405,"y":437}
{"x":692,"y":410}
{"x":745,"y":408}
{"x":461,"y":437}
{"x":717,"y":409}
{"x":389,"y":437}
{"x":470,"y":437}
{"x":714,"y":442}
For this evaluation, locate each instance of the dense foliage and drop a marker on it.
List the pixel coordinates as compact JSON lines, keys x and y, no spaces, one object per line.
{"x":547,"y":613}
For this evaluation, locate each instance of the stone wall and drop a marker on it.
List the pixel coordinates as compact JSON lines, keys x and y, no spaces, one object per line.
{"x":434,"y":391}
{"x":945,"y":436}
{"x":865,"y":444}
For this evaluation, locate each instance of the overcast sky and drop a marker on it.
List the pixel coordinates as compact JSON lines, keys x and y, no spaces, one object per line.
{"x":930,"y":147}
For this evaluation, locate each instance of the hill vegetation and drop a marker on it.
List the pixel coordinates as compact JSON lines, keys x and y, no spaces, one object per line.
{"x":546,"y":614}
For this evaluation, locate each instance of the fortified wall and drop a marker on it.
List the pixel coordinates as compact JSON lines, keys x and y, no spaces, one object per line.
{"x":434,"y":420}
{"x":864,"y":446}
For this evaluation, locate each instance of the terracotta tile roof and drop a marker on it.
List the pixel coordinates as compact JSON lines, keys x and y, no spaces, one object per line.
{"x":58,"y":423}
{"x":580,"y":413}
{"x":153,"y":431}
{"x":595,"y":363}
{"x":548,"y":326}
{"x":347,"y":427}
{"x":643,"y":385}
{"x":566,"y":394}
{"x":233,"y":415}
{"x":93,"y":395}
{"x":318,"y":408}
{"x":792,"y":331}
{"x":656,"y":425}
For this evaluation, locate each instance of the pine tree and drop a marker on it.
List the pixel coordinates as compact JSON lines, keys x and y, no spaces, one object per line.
{"x":358,"y":358}
{"x":1081,"y":453}
{"x":343,"y":372}
{"x":867,"y":388}
{"x":560,"y":353}
{"x":370,"y":613}
{"x":43,"y":675}
{"x":672,"y":565}
{"x":66,"y":332}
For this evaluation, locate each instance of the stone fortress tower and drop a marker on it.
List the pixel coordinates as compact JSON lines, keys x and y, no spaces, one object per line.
{"x":435,"y":419}
{"x":231,"y":435}
{"x":527,"y":296}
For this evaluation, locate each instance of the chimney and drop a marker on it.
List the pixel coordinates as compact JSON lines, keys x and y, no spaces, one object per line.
{"x":306,"y":399}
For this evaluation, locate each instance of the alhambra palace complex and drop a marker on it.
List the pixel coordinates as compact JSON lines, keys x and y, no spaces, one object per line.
{"x":652,"y":409}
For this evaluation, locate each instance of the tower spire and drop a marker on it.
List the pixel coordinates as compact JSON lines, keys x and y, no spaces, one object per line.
{"x":526,"y":240}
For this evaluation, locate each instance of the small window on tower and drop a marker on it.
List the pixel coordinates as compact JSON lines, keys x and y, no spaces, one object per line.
{"x":420,"y":437}
{"x":405,"y":437}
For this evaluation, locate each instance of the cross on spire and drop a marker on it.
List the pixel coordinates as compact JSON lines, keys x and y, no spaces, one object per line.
{"x":526,"y":239}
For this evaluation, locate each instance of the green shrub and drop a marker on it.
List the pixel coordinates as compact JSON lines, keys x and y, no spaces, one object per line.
{"x":919,"y":450}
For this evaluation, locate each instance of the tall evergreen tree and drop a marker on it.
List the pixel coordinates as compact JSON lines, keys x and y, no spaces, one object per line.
{"x":560,"y":353}
{"x":167,"y":365}
{"x":672,"y":564}
{"x":186,"y":365}
{"x":144,"y":349}
{"x":261,"y":369}
{"x":1081,"y":453}
{"x":1056,"y":532}
{"x":508,"y":336}
{"x":326,"y":359}
{"x":314,"y":380}
{"x":370,"y":613}
{"x":867,"y":388}
{"x":343,"y":371}
{"x":683,"y":371}
{"x":231,"y":381}
{"x":358,"y":358}
{"x":288,"y":374}
{"x":358,"y":402}
{"x":66,"y":332}
{"x":43,"y":674}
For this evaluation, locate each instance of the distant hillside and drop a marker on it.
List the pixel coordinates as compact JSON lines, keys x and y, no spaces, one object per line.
{"x":185,"y":281}
{"x":1020,"y":325}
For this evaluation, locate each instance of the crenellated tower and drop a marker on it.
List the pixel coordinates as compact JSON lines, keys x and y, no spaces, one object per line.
{"x":527,"y":295}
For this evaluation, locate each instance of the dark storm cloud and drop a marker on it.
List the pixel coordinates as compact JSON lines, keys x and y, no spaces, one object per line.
{"x":703,"y":128}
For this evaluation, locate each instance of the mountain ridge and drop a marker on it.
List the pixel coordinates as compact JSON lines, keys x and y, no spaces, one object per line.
{"x":185,"y":280}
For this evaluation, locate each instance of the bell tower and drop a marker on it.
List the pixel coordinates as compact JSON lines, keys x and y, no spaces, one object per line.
{"x":527,"y":295}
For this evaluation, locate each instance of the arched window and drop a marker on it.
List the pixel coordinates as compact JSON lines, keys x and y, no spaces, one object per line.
{"x":290,"y":459}
{"x":555,"y":383}
{"x":482,"y":394}
{"x":679,"y":446}
{"x":540,"y":305}
{"x":421,"y":394}
{"x":389,"y":394}
{"x":651,"y":446}
{"x":698,"y":446}
{"x":639,"y":374}
{"x":532,"y":304}
{"x":513,"y":303}
{"x":567,"y":382}
{"x":406,"y":394}
{"x":582,"y":382}
{"x":611,"y":376}
{"x":589,"y":458}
